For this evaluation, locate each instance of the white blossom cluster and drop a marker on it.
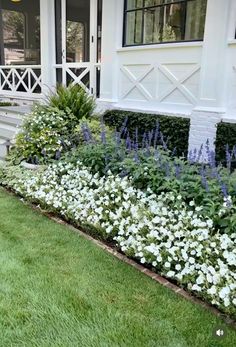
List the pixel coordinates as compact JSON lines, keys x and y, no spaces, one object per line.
{"x":158,"y":230}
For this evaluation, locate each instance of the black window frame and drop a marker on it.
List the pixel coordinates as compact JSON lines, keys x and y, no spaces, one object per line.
{"x":142,"y":30}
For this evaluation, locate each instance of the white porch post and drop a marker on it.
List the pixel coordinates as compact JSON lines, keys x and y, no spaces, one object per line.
{"x":47,"y":30}
{"x":213,"y":80}
{"x":111,"y":19}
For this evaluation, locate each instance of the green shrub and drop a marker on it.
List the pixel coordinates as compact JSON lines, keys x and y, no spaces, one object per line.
{"x":53,"y":129}
{"x":7,"y":103}
{"x":73,"y":100}
{"x":174,"y":129}
{"x":226,"y":135}
{"x":42,"y":135}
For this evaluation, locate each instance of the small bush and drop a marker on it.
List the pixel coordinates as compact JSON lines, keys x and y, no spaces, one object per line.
{"x":174,"y":129}
{"x":53,"y":129}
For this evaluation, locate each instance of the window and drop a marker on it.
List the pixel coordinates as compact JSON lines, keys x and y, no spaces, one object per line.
{"x":20,"y":33}
{"x":156,"y":21}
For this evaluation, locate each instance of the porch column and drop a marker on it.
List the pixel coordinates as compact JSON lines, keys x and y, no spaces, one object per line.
{"x":47,"y":30}
{"x":109,"y":60}
{"x":213,"y":80}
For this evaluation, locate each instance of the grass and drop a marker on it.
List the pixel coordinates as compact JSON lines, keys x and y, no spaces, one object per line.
{"x":59,"y":290}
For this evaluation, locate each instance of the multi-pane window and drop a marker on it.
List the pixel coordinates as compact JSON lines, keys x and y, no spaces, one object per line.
{"x":156,"y":21}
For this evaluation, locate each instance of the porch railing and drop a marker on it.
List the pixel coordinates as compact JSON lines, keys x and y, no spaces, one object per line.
{"x":20,"y":79}
{"x":84,"y":74}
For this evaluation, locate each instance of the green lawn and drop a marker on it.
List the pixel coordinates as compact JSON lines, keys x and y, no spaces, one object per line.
{"x":58,"y":289}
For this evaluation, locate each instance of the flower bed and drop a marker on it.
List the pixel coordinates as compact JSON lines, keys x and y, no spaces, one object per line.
{"x":160,"y":230}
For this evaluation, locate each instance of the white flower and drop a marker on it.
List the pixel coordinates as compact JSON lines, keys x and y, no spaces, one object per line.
{"x":178,"y":267}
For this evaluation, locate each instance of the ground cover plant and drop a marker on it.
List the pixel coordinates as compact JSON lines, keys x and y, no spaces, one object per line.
{"x":58,"y":289}
{"x":159,"y":230}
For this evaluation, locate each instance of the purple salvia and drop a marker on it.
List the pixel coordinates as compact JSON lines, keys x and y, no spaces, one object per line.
{"x":85,"y":133}
{"x":212,"y":159}
{"x":164,"y":144}
{"x":173,"y":154}
{"x":144,"y":140}
{"x":190,"y":156}
{"x":207,"y":147}
{"x":199,"y":153}
{"x":128,"y":143}
{"x":177,"y":170}
{"x":123,"y":128}
{"x":58,"y":155}
{"x":103,"y":134}
{"x":167,"y":169}
{"x":228,"y":157}
{"x":195,"y":155}
{"x":204,"y":179}
{"x":156,"y":135}
{"x":150,"y":137}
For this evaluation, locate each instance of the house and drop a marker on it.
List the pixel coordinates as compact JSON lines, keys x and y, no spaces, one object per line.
{"x":174,"y":57}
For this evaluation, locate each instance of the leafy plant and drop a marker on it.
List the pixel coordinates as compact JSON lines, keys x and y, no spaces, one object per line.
{"x":74,"y":101}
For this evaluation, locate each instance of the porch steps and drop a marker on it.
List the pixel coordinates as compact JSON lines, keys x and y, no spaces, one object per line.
{"x":10,"y":120}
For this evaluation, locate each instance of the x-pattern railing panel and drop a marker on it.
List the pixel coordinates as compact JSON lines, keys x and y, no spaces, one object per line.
{"x":26,"y":79}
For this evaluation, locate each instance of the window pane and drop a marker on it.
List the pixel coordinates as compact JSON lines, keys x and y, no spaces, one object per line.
{"x":195,"y":20}
{"x":173,"y":22}
{"x":152,"y":25}
{"x":13,"y":36}
{"x":74,"y":41}
{"x":134,"y":28}
{"x":21,"y":33}
{"x":132,"y":4}
{"x":77,"y":31}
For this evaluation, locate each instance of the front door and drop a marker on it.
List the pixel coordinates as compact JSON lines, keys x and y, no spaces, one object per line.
{"x":76,"y":42}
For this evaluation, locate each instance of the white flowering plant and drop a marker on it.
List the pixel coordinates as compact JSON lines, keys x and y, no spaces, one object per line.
{"x":160,"y":230}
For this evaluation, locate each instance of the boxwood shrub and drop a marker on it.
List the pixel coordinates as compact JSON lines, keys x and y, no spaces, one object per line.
{"x":174,"y":129}
{"x":226,"y":135}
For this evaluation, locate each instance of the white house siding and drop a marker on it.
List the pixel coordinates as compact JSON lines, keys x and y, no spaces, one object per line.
{"x":195,"y":80}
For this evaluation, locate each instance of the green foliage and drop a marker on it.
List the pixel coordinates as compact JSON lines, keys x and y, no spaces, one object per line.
{"x":158,"y":170}
{"x":226,"y":135}
{"x":44,"y":132}
{"x":174,"y":129}
{"x":95,"y":127}
{"x":53,"y":129}
{"x":73,"y":100}
{"x":6,"y":103}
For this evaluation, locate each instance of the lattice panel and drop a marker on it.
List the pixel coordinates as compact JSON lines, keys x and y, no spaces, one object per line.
{"x":174,"y":83}
{"x":25,"y":79}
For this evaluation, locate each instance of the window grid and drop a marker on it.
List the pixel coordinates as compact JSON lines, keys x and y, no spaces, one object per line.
{"x":162,"y":8}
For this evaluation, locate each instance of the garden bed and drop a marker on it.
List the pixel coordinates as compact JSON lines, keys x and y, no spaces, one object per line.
{"x":174,"y":214}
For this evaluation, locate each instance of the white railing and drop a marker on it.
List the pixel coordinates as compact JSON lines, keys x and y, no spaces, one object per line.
{"x":20,"y":79}
{"x":83,"y":74}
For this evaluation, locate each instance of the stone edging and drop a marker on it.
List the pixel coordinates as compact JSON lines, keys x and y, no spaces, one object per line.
{"x":157,"y":278}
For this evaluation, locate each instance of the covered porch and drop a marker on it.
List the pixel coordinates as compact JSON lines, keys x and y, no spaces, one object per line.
{"x":44,"y":42}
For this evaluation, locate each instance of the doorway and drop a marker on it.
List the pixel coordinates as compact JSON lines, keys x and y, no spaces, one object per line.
{"x":77,"y":42}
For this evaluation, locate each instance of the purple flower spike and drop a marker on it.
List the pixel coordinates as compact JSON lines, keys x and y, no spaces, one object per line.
{"x":204,"y":179}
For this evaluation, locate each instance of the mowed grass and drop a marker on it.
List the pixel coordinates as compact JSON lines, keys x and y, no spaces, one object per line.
{"x":58,"y":289}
